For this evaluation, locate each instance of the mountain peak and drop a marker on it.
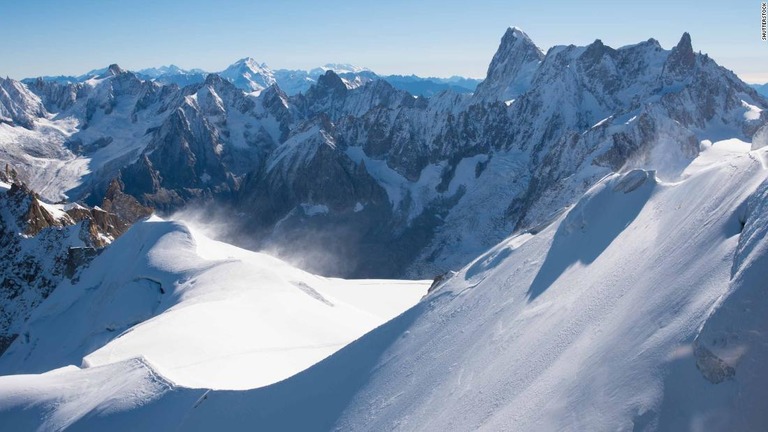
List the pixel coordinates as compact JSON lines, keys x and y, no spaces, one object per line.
{"x":652,"y":42}
{"x":685,"y":43}
{"x":247,"y":74}
{"x":681,"y":60}
{"x":512,"y":68}
{"x":250,"y":63}
{"x":212,"y":79}
{"x":516,"y":33}
{"x":331,"y":80}
{"x":113,"y":70}
{"x":595,"y":51}
{"x":171,"y":68}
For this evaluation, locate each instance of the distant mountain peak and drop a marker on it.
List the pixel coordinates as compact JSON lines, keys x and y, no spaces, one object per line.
{"x":250,"y":63}
{"x":212,"y":79}
{"x":113,"y":70}
{"x":249,"y":75}
{"x":344,"y":68}
{"x":331,"y":80}
{"x":170,"y":69}
{"x":338,"y":68}
{"x":596,"y":50}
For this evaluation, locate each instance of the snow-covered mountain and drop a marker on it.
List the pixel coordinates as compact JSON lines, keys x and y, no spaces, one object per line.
{"x":248,"y":75}
{"x":338,"y":68}
{"x":590,"y":111}
{"x":17,"y":105}
{"x":595,"y":217}
{"x":173,"y":74}
{"x":167,"y":70}
{"x":378,"y":166}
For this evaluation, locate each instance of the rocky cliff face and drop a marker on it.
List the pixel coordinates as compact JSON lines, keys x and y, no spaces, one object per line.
{"x":19,"y":106}
{"x":41,"y":244}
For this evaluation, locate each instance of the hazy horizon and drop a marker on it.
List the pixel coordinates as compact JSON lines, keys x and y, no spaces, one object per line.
{"x":432,"y":38}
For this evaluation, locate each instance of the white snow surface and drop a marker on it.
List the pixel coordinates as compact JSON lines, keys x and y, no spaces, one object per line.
{"x":202,"y":313}
{"x":589,"y":324}
{"x":594,"y":322}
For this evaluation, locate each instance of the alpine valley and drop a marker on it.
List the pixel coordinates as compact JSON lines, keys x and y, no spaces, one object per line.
{"x":576,"y":242}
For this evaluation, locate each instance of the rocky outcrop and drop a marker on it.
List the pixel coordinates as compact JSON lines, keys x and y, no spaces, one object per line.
{"x":41,"y":244}
{"x":680,"y":62}
{"x":122,"y":206}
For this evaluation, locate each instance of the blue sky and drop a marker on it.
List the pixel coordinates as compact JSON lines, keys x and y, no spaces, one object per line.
{"x":437,"y":38}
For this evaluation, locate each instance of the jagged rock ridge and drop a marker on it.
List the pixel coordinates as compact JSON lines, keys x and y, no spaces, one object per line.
{"x":42,"y":244}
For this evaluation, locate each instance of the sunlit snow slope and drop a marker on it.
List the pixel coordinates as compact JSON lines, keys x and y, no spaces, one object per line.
{"x":641,"y":307}
{"x":202,"y":313}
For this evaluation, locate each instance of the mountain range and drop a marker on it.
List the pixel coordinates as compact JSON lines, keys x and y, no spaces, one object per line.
{"x":384,"y":183}
{"x":592,"y":219}
{"x":249,"y":75}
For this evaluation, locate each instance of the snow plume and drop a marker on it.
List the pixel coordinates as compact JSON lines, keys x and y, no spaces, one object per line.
{"x":670,"y":155}
{"x":215,"y":222}
{"x":662,"y":145}
{"x":312,"y":244}
{"x":318,"y":246}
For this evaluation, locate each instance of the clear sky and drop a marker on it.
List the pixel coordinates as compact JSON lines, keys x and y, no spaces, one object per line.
{"x":428,"y":38}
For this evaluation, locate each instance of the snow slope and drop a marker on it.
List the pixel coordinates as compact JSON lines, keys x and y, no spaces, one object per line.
{"x":638,"y":308}
{"x":588,"y":325}
{"x":203,"y":313}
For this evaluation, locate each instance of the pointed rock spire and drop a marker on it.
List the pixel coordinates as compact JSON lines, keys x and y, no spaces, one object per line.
{"x":512,"y":68}
{"x":331,"y":81}
{"x":212,"y":79}
{"x":113,"y":70}
{"x":681,"y":60}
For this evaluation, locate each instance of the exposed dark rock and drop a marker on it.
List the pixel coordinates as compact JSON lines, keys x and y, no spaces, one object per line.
{"x":36,"y":246}
{"x":714,"y":369}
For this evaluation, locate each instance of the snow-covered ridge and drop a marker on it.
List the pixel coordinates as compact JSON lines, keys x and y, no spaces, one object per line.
{"x":204,"y":314}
